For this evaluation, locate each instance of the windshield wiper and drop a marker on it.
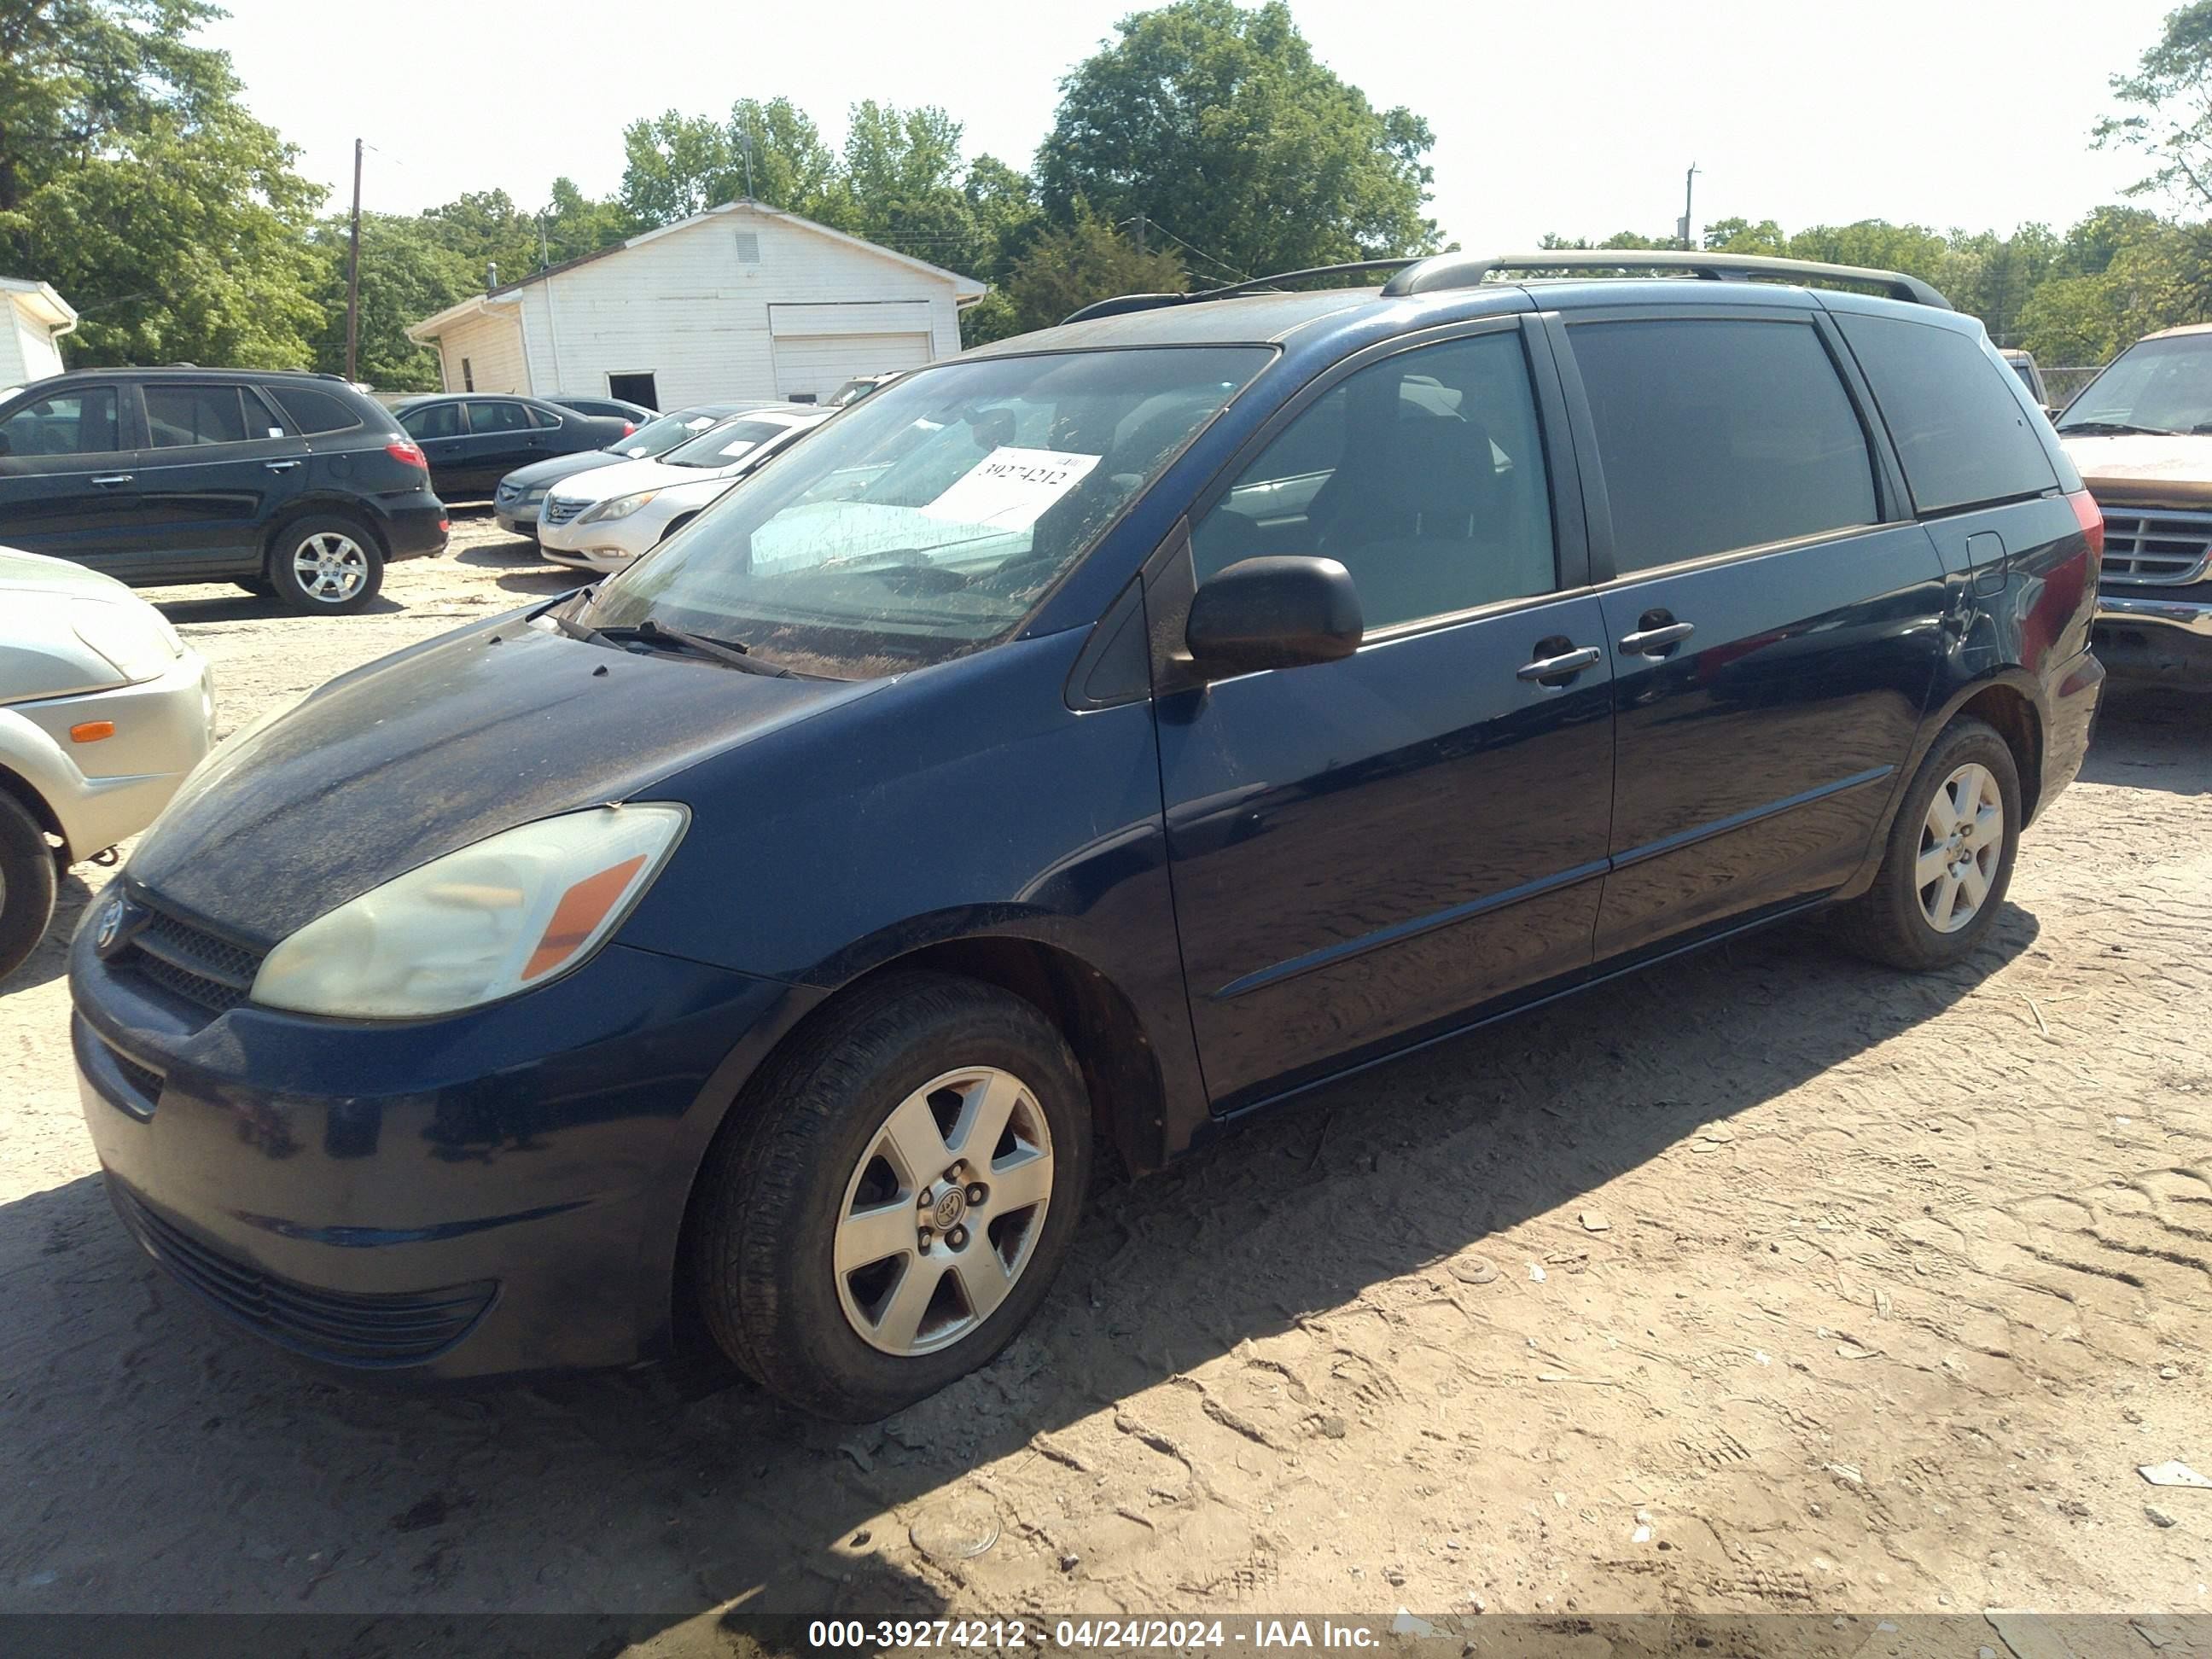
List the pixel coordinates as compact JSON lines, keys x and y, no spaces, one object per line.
{"x":736,"y":654}
{"x":2119,"y":429}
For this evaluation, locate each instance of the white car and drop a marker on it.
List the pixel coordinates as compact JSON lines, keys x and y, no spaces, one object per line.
{"x":604,"y":519}
{"x":103,"y":710}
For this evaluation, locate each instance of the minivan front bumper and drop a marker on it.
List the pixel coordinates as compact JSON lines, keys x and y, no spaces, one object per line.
{"x":493,"y":1193}
{"x":2162,"y":637}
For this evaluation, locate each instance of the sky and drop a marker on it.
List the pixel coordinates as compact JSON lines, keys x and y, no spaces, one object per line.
{"x":1579,"y":119}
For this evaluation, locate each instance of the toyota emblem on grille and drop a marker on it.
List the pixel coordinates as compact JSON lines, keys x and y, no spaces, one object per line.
{"x":117,"y":927}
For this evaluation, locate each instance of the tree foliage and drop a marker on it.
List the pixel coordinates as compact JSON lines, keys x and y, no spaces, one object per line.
{"x":1071,"y":265}
{"x":2169,"y":97}
{"x":408,"y":272}
{"x":1219,"y":126}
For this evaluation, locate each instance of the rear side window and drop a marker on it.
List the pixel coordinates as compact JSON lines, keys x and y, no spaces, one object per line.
{"x":432,"y":420}
{"x":498,"y":417}
{"x":312,"y":411}
{"x":1958,"y":429}
{"x":1715,"y":434}
{"x":551,"y":417}
{"x":186,"y":416}
{"x":66,"y":423}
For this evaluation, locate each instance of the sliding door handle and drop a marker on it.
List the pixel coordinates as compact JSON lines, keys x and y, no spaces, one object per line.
{"x":1655,"y":641}
{"x":1564,"y":666}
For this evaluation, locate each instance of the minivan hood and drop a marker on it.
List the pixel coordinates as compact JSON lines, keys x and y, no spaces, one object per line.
{"x":34,"y":573}
{"x":2145,"y":470}
{"x":433,"y":749}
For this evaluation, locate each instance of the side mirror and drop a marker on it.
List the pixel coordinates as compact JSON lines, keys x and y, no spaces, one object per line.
{"x":1273,"y":613}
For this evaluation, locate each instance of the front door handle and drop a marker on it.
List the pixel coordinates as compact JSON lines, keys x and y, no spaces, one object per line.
{"x":109,"y":480}
{"x":1655,"y":641}
{"x":1564,"y":666}
{"x":280,"y":467}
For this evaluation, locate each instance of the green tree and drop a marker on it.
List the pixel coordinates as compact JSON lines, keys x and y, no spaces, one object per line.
{"x":675,"y":166}
{"x":2171,"y":94}
{"x":791,"y":168}
{"x":486,"y":229}
{"x":1741,"y":236}
{"x":133,"y":180}
{"x":575,"y":224}
{"x":1072,"y":265}
{"x":1217,"y":124}
{"x":408,"y":272}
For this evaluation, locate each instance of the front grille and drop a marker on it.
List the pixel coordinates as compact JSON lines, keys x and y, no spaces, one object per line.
{"x":558,"y":511}
{"x":144,"y":1080}
{"x":327,"y":1325}
{"x":2156,"y":549}
{"x":189,"y":961}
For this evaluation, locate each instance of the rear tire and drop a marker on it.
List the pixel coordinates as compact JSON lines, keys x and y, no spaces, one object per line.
{"x":324,"y":564}
{"x":29,"y":875}
{"x":1949,"y":856}
{"x":853,"y":1321}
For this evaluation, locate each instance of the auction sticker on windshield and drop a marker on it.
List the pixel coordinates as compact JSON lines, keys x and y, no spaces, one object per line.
{"x":1010,"y":489}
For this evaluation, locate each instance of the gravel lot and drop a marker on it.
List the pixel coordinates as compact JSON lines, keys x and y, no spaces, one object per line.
{"x":1773,"y":1281}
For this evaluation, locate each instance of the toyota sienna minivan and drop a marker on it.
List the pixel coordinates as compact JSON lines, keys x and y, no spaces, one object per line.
{"x":1073,"y":748}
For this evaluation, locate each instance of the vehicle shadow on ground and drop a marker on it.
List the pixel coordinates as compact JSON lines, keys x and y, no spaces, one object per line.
{"x":2151,"y":738}
{"x":250,"y":607}
{"x":144,"y":1431}
{"x":49,"y":961}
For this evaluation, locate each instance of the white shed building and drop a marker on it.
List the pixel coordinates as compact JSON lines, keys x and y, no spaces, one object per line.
{"x":31,"y":327}
{"x":740,"y":301}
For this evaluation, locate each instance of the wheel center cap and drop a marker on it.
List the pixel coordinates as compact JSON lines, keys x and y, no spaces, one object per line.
{"x":951,"y":1207}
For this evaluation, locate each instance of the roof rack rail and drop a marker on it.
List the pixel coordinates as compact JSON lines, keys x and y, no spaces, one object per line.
{"x":1446,"y":270}
{"x":1122,"y":303}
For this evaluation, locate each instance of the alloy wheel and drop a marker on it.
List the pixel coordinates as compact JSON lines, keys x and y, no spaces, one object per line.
{"x":943,"y":1214}
{"x":1961,"y":841}
{"x":330,"y":567}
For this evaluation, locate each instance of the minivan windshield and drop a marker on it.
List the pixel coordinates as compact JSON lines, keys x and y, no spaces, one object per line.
{"x":727,"y":444}
{"x":2154,"y":386}
{"x":663,"y":434}
{"x":926,"y":520}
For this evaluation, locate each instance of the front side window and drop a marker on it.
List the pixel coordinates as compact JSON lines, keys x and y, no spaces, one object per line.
{"x":1715,"y":435}
{"x":1423,"y":475}
{"x":928,"y":519}
{"x":66,"y":423}
{"x":186,"y":416}
{"x":432,"y":420}
{"x":498,"y":417}
{"x":1960,"y":433}
{"x":2154,"y":386}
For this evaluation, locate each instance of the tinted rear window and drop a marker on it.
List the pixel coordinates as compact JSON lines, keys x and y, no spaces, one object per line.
{"x":1958,"y":427}
{"x":184,"y":416}
{"x":1715,"y":435}
{"x":313,"y":411}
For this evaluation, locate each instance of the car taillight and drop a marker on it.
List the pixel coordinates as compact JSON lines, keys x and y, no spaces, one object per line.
{"x":628,"y":427}
{"x":2091,"y":518}
{"x":409,"y":453}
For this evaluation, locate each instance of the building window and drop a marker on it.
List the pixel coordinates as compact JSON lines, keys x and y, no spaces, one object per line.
{"x":749,"y":247}
{"x":468,"y":376}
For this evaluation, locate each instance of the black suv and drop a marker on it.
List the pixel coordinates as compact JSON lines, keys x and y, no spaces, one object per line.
{"x":476,"y":439}
{"x":294,"y":485}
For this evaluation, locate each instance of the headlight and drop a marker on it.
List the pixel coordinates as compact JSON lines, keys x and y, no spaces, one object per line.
{"x":130,"y":633}
{"x":536,"y":493}
{"x":620,"y":507}
{"x":510,"y":913}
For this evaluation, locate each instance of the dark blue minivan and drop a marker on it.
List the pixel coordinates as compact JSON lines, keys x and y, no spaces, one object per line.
{"x":1076,"y":745}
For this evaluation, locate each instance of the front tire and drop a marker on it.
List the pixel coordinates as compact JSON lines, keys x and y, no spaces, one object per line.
{"x":1949,"y":857}
{"x":326,"y":565}
{"x":28,"y":881}
{"x":897,"y":1204}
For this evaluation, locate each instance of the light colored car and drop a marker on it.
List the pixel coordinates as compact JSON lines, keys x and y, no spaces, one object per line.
{"x":2141,"y":434}
{"x":604,"y":519}
{"x":103,"y":711}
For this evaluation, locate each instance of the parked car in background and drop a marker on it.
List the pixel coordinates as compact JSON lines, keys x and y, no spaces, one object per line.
{"x":522,"y":492}
{"x":103,"y":711}
{"x":1192,"y":706}
{"x":2023,"y":364}
{"x":2141,"y":435}
{"x":293,"y":485}
{"x":621,"y":408}
{"x":852,"y":391}
{"x":473,"y":440}
{"x":608,"y":517}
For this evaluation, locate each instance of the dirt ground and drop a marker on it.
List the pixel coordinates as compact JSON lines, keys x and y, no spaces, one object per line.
{"x":1769,"y":1282}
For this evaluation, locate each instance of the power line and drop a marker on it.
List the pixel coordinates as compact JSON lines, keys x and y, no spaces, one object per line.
{"x":1220,"y":265}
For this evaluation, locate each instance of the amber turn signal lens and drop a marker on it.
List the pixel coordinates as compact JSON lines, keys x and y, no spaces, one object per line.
{"x":578,"y":916}
{"x":91,"y":731}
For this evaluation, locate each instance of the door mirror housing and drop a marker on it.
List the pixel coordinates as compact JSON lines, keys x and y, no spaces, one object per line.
{"x":1273,"y":613}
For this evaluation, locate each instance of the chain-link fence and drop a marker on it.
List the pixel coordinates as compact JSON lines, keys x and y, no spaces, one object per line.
{"x":2061,"y":385}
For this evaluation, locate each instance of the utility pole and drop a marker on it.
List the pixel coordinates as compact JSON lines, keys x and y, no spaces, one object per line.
{"x":1140,"y":233}
{"x":353,"y":275}
{"x":1689,"y":186}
